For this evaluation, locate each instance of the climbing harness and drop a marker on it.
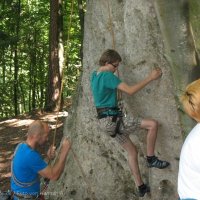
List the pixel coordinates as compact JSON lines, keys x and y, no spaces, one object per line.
{"x":117,"y":117}
{"x":107,"y":111}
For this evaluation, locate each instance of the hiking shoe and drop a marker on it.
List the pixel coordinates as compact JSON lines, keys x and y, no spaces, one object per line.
{"x":158,"y":163}
{"x":143,"y":189}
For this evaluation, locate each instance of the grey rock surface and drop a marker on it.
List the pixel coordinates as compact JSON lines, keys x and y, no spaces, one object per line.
{"x":143,"y":36}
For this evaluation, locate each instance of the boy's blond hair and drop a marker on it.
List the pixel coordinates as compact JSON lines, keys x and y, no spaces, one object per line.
{"x":191,"y":100}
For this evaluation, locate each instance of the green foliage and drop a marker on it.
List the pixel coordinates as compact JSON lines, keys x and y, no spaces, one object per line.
{"x":32,"y":46}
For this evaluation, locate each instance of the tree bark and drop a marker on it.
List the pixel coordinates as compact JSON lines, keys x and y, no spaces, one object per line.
{"x":81,"y":19}
{"x":41,"y":77}
{"x":54,"y":86}
{"x":16,"y":65}
{"x":60,"y":50}
{"x":146,"y":34}
{"x":33,"y":72}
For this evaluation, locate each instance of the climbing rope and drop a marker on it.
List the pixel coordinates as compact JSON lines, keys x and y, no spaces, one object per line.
{"x":62,"y":81}
{"x":119,"y":93}
{"x":111,"y":26}
{"x":119,"y":96}
{"x":92,"y":195}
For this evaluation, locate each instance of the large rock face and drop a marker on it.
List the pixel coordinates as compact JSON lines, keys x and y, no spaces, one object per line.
{"x":141,"y":32}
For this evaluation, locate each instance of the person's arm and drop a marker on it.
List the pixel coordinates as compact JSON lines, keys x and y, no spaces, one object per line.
{"x":155,"y":74}
{"x":54,"y":172}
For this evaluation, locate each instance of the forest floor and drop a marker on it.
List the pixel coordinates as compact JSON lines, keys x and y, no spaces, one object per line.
{"x":13,"y":131}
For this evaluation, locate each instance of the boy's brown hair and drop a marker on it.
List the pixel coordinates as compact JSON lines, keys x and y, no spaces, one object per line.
{"x":191,"y":100}
{"x":109,"y":56}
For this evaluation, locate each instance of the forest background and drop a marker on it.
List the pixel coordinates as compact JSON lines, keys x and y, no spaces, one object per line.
{"x":40,"y":43}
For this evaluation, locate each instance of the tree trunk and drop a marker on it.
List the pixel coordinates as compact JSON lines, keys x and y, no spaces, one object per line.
{"x":54,"y":86}
{"x":16,"y":65}
{"x":33,"y":59}
{"x":41,"y":78}
{"x":81,"y":19}
{"x":146,"y":34}
{"x":60,"y":50}
{"x":4,"y":66}
{"x":30,"y":87}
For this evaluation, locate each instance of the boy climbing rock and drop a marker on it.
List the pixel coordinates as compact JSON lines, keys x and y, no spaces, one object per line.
{"x":104,"y":85}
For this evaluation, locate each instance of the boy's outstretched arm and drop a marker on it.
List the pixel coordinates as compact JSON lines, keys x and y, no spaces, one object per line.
{"x":131,"y":89}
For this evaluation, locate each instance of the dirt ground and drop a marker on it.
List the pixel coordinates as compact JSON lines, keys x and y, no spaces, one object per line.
{"x":13,"y":131}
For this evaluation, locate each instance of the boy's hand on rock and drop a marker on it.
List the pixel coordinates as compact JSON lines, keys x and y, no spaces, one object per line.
{"x":155,"y":73}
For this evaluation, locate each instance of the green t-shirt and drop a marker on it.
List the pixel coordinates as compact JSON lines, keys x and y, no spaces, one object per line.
{"x":104,"y":89}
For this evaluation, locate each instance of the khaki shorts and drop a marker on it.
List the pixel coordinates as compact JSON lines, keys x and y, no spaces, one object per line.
{"x":129,"y":125}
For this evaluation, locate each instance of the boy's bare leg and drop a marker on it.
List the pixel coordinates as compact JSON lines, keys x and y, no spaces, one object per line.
{"x":133,"y":160}
{"x":152,"y":128}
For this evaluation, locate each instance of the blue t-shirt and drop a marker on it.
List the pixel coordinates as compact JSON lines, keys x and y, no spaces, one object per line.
{"x":26,"y":164}
{"x":104,"y":88}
